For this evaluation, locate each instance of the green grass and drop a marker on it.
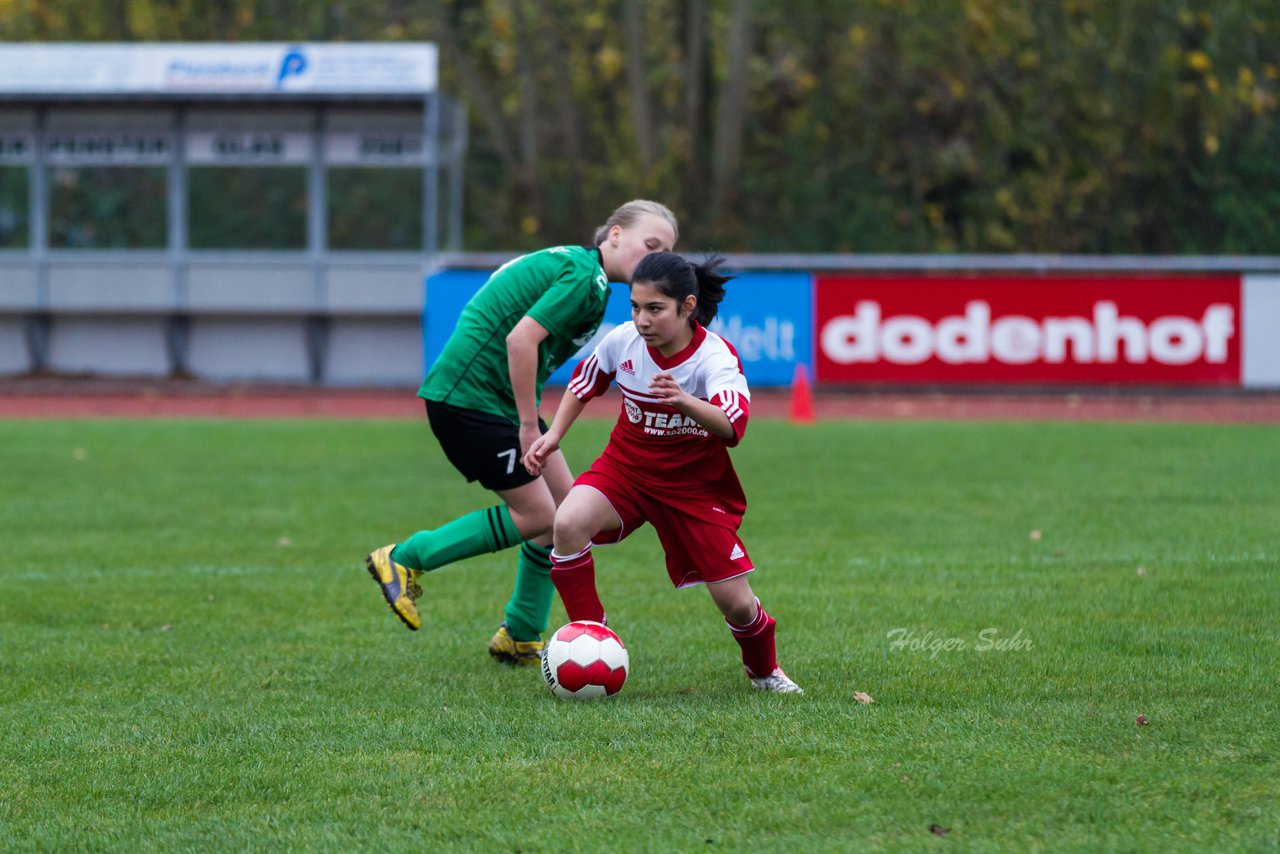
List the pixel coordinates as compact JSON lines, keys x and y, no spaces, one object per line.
{"x":192,"y":656}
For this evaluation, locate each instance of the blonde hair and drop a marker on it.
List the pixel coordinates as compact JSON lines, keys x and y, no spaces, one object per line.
{"x":627,"y":214}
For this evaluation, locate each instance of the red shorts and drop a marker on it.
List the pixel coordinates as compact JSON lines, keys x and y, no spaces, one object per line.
{"x":698,"y":550}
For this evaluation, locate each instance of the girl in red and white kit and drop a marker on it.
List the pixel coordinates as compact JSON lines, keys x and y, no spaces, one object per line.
{"x":684,"y":404}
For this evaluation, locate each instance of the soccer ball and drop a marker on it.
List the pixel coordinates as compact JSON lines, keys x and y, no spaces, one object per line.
{"x":585,"y":660}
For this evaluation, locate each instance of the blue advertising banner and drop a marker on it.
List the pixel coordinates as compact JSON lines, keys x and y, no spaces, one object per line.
{"x":768,"y":317}
{"x":447,"y":292}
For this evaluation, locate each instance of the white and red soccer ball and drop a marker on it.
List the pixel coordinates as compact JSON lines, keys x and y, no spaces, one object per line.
{"x":585,"y":660}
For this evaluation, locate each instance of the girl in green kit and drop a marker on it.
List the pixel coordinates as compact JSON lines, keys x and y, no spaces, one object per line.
{"x":482,"y":398}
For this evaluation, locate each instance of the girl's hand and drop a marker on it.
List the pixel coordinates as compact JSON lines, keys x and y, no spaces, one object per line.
{"x":543,"y":447}
{"x":664,"y":385}
{"x":529,"y":433}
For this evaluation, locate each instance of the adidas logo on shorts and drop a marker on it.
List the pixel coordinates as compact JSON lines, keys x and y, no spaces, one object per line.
{"x":737,"y":552}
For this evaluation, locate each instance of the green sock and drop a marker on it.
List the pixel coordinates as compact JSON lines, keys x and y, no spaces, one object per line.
{"x":530,"y":606}
{"x":477,"y":533}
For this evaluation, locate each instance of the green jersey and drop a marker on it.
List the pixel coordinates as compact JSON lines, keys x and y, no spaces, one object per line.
{"x":563,"y":288}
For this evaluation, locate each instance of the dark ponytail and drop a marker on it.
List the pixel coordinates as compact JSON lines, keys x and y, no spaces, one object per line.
{"x":710,"y":288}
{"x":671,"y":275}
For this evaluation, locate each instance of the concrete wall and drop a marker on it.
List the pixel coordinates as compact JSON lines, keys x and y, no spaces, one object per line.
{"x":354,"y":319}
{"x":224,"y":319}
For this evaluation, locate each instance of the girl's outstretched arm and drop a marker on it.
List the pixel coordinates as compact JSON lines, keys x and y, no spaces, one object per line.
{"x":522,"y":365}
{"x":546,"y":444}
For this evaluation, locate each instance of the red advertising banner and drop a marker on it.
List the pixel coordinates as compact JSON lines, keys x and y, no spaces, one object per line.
{"x":1009,"y":330}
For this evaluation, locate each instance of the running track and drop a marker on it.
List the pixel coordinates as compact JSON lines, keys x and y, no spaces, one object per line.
{"x":63,"y":398}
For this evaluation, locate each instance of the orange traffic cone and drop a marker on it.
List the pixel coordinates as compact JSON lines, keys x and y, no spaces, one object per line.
{"x":801,"y":397}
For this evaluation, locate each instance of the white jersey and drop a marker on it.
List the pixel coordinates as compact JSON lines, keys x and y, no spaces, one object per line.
{"x":659,"y":446}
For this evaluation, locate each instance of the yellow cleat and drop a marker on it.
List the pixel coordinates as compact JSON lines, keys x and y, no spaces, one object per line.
{"x":399,"y":585}
{"x":506,"y":649}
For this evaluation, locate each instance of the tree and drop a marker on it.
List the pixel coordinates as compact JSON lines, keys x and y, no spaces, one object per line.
{"x":830,"y":125}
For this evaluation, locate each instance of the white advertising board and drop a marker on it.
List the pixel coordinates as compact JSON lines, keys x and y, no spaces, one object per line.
{"x":16,"y":147}
{"x":1260,"y":308}
{"x":261,"y":68}
{"x":248,"y":147}
{"x":113,"y":148}
{"x":386,"y":148}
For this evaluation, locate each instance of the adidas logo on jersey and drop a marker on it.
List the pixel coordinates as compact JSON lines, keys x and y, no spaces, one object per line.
{"x":737,"y":553}
{"x":627,"y":368}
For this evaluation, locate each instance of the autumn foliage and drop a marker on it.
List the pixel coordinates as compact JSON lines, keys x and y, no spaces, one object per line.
{"x":1080,"y":126}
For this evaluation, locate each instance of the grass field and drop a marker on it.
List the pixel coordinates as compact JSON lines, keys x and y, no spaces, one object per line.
{"x":192,"y":656}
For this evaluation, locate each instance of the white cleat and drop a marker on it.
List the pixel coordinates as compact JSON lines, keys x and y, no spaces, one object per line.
{"x":777,"y":682}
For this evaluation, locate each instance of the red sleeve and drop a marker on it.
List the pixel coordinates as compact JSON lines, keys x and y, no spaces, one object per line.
{"x":588,"y":380}
{"x":738,"y":407}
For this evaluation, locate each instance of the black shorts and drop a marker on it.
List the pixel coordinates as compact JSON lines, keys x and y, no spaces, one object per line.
{"x":482,"y":446}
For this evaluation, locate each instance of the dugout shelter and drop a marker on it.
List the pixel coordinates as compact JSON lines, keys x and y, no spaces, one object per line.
{"x":235,"y":212}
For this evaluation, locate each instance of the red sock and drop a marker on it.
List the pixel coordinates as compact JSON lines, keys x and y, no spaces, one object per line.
{"x":575,"y":579}
{"x":759,"y":654}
